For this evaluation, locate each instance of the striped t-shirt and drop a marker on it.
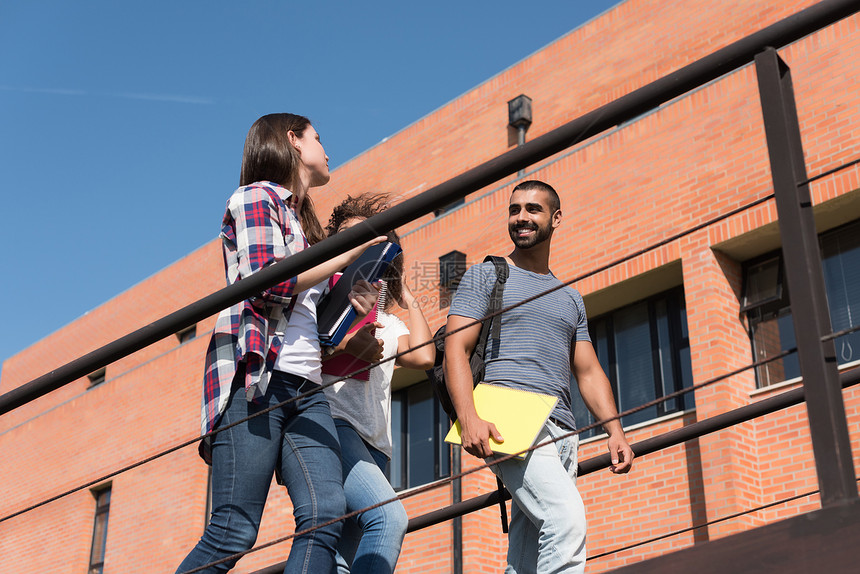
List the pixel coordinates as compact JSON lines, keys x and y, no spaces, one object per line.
{"x":535,"y":341}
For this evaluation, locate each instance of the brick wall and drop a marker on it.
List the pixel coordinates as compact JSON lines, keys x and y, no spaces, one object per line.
{"x":682,"y":165}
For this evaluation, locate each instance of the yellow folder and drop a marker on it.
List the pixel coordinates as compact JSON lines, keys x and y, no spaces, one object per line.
{"x":518,"y":415}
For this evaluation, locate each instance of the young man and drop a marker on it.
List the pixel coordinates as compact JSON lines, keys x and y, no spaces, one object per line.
{"x":541,"y":343}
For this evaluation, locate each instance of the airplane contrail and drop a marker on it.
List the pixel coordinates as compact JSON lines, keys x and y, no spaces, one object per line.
{"x":179,"y":99}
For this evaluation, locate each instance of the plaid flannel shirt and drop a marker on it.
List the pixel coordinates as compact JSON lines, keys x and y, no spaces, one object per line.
{"x":259,"y":228}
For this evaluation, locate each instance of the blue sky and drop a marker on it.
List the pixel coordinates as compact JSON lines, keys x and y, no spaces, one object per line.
{"x":122,"y":123}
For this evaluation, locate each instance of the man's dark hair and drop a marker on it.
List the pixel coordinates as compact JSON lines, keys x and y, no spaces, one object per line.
{"x":554,"y":201}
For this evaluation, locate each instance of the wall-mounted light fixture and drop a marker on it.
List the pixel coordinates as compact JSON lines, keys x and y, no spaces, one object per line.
{"x":520,"y":116}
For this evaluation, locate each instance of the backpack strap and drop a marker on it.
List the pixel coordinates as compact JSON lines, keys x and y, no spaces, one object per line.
{"x":496,"y":297}
{"x":495,"y":325}
{"x":502,"y":272}
{"x":502,"y":508}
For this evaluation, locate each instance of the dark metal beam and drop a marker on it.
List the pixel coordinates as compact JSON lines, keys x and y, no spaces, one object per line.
{"x":801,"y":253}
{"x":614,"y":113}
{"x":821,"y":541}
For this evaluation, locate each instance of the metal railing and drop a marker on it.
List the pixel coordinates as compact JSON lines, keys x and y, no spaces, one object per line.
{"x":835,"y":466}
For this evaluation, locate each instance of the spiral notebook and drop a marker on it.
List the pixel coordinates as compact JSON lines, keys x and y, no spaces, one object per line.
{"x":518,"y":415}
{"x":344,"y":363}
{"x":335,"y":313}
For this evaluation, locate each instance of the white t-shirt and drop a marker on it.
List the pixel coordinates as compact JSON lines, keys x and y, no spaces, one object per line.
{"x":300,"y":353}
{"x":366,"y":405}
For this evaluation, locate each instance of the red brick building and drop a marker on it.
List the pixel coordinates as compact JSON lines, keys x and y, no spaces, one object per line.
{"x":690,"y":310}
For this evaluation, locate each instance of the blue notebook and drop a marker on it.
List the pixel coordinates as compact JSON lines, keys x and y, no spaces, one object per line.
{"x":335,"y":313}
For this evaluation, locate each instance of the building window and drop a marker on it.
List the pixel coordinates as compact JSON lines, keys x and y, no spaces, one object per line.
{"x":455,"y":204}
{"x":766,"y":302}
{"x":97,"y":552}
{"x":452,"y":266}
{"x":644,"y":348}
{"x":208,"y":514}
{"x":98,"y":377}
{"x":187,"y":334}
{"x":418,"y":427}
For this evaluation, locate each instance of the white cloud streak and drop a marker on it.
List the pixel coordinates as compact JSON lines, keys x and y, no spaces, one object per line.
{"x":172,"y":98}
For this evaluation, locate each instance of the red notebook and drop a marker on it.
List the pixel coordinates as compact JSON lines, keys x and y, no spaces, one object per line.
{"x":344,"y":363}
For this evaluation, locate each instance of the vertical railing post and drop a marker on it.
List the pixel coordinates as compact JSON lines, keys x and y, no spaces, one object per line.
{"x":824,"y":404}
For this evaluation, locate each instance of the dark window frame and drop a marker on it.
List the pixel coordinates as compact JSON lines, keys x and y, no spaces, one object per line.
{"x":98,"y":545}
{"x":401,"y":478}
{"x":452,"y":267}
{"x":450,"y":207}
{"x":675,"y":313}
{"x":187,"y":334}
{"x":766,"y":304}
{"x":780,"y":310}
{"x":207,"y":516}
{"x":97,"y":377}
{"x":765,"y":311}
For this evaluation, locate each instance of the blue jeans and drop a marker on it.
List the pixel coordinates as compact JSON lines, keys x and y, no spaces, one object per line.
{"x":300,"y":438}
{"x":547,"y":528}
{"x":371,"y":540}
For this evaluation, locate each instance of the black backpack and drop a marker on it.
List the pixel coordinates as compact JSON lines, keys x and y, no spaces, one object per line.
{"x":476,"y":361}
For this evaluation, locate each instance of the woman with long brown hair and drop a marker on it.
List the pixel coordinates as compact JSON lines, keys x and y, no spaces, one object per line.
{"x":265,"y":351}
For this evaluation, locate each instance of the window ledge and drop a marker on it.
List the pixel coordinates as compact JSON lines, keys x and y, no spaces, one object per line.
{"x":776,"y":387}
{"x":438,"y":481}
{"x":795,"y":381}
{"x":637,"y":426}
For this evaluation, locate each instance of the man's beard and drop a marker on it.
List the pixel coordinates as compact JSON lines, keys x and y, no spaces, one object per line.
{"x":540,"y":235}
